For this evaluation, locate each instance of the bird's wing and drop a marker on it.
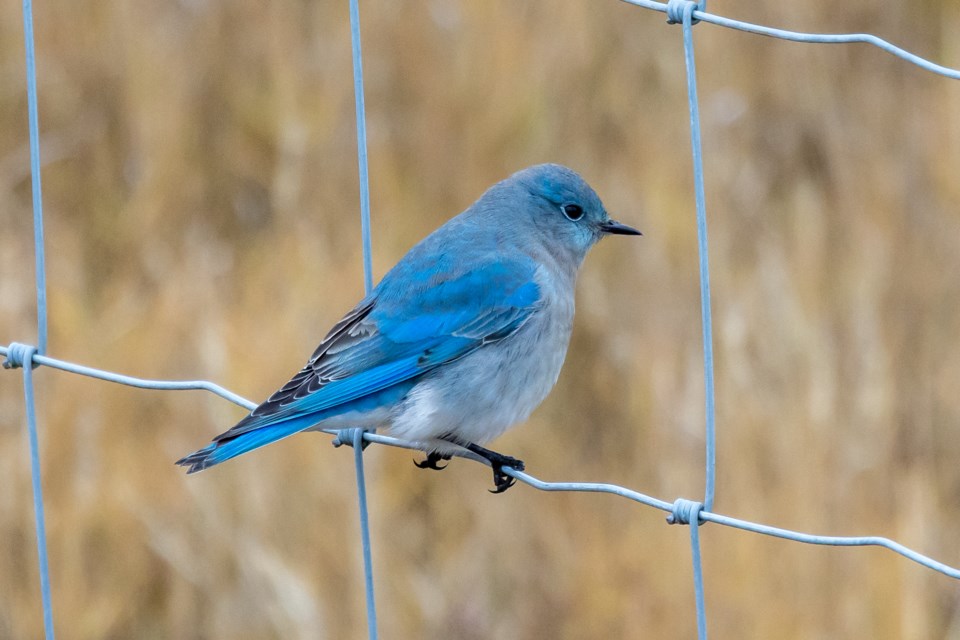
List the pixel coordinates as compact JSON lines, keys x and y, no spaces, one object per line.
{"x":395,"y":335}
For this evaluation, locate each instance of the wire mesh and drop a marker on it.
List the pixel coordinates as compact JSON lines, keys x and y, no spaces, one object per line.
{"x":681,"y":511}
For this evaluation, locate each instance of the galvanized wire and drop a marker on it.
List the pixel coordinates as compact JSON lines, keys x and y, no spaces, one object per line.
{"x":681,"y":511}
{"x":40,"y":277}
{"x":682,"y":12}
{"x":364,"y":176}
{"x":799,"y":36}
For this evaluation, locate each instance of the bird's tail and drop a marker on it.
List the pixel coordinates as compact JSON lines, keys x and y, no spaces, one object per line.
{"x":222,"y":450}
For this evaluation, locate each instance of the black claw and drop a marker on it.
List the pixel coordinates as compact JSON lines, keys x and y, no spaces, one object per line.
{"x":430,"y":462}
{"x":498,"y":461}
{"x":502,"y":481}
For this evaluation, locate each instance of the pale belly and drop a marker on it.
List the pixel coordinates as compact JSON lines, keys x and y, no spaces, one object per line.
{"x":477,"y":398}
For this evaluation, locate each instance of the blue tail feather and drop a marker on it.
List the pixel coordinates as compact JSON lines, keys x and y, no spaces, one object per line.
{"x":227,"y":446}
{"x":217,"y":452}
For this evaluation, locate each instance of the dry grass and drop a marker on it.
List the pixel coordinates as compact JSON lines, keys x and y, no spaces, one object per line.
{"x":201,"y":195}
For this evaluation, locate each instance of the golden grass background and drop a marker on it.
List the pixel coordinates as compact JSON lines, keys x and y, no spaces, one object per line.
{"x":202,"y":222}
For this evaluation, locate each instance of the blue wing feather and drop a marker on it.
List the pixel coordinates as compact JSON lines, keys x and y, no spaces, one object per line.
{"x":391,"y":338}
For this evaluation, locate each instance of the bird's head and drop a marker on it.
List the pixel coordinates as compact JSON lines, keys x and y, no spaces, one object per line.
{"x":564,"y":210}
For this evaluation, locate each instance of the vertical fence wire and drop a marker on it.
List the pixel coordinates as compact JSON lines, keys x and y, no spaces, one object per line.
{"x":22,"y":355}
{"x":358,"y":444}
{"x":698,"y":580}
{"x":681,"y":11}
{"x":41,"y":276}
{"x":686,"y":18}
{"x":361,"y":144}
{"x":26,"y":356}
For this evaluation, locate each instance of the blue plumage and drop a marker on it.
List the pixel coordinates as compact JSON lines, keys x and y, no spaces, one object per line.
{"x":461,"y":339}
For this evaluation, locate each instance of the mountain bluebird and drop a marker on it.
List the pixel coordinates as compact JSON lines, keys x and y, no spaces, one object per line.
{"x":462,"y":339}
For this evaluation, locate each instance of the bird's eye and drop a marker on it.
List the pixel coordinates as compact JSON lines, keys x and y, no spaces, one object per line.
{"x":572,"y":211}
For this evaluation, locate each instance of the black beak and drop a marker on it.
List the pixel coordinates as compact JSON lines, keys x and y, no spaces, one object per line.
{"x":612,"y":226}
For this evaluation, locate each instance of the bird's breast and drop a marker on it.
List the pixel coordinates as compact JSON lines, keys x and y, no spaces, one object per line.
{"x":480,"y":396}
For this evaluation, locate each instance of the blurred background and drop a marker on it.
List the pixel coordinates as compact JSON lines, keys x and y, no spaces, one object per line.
{"x":201,"y":198}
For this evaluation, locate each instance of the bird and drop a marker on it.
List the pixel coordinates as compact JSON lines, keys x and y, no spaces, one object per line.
{"x":462,"y":339}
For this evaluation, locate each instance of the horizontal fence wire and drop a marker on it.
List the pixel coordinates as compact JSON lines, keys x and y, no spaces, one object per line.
{"x":680,"y":511}
{"x":798,"y":36}
{"x":347,"y":437}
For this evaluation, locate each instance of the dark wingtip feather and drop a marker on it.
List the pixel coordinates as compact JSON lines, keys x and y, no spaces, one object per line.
{"x":196,"y":461}
{"x":193,"y":466}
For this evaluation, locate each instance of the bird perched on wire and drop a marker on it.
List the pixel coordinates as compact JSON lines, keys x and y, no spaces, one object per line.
{"x":462,"y":339}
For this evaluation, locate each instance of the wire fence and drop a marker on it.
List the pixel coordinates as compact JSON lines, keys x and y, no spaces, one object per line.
{"x":682,"y":511}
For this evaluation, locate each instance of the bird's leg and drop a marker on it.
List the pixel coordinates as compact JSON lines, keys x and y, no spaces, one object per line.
{"x":430,"y":462}
{"x":498,"y":461}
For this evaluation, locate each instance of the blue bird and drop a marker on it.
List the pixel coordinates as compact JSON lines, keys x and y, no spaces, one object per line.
{"x":462,"y":339}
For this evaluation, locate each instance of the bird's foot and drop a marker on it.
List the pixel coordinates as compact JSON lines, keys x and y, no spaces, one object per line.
{"x":430,"y":462}
{"x":500,"y":479}
{"x":498,"y":461}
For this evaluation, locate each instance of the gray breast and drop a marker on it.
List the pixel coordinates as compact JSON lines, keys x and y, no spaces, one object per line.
{"x":480,"y":396}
